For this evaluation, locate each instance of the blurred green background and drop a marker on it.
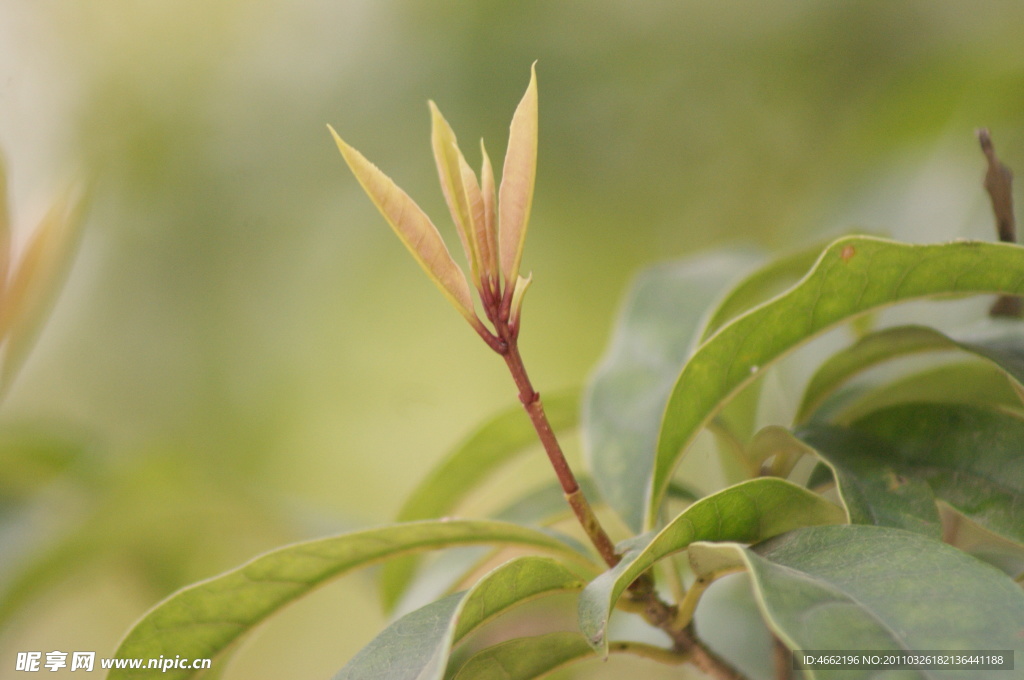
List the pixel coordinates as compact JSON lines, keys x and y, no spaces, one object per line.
{"x":244,"y":355}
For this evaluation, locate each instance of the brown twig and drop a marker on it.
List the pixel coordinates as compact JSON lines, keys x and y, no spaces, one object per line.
{"x":663,"y":616}
{"x":658,"y":613}
{"x":999,"y":184}
{"x":507,"y":346}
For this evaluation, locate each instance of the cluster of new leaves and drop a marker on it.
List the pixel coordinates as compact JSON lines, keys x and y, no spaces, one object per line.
{"x":883,"y":510}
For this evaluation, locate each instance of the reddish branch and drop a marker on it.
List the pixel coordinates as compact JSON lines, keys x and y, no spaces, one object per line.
{"x":658,"y":613}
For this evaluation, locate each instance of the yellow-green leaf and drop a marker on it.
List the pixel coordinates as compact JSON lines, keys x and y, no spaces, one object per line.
{"x":413,"y":227}
{"x":203,"y":619}
{"x":516,"y":193}
{"x":854,"y":276}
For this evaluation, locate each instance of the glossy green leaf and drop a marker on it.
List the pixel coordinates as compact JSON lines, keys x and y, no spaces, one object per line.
{"x":854,"y":275}
{"x":871,"y":488}
{"x":764,"y":283}
{"x":515,"y":195}
{"x":417,"y":646}
{"x":969,"y":455}
{"x":413,"y":228}
{"x":626,"y":397}
{"x":1004,"y":349}
{"x":495,"y":443}
{"x":201,"y":620}
{"x":748,"y":512}
{"x":857,"y":587}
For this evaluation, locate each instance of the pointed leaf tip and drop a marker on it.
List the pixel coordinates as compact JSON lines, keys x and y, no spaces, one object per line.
{"x":515,"y":196}
{"x":517,"y":298}
{"x":413,"y":228}
{"x":490,"y":199}
{"x":449,"y":170}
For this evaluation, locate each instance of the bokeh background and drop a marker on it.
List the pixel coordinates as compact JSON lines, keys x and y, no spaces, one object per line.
{"x":244,"y":355}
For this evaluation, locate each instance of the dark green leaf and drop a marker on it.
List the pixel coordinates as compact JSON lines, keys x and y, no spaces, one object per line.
{"x":624,"y":402}
{"x":748,"y":512}
{"x":204,"y":618}
{"x":872,"y":490}
{"x":970,"y":456}
{"x":855,"y":275}
{"x":859,"y":587}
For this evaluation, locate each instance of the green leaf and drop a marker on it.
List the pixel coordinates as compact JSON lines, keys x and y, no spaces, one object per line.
{"x":536,"y":657}
{"x":967,"y":382}
{"x":413,"y":227}
{"x":736,"y":423}
{"x":515,"y":195}
{"x":417,"y":645}
{"x":762,"y":284}
{"x":1005,"y":350}
{"x":859,"y":587}
{"x":201,"y":620}
{"x":626,"y":397}
{"x":871,"y":488}
{"x":749,"y":511}
{"x":729,"y":622}
{"x":970,"y":456}
{"x":496,"y":442}
{"x":527,"y":658}
{"x":854,"y":275}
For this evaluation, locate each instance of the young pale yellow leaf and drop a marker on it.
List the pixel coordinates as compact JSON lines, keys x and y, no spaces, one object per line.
{"x":517,"y":298}
{"x":449,"y":169}
{"x":5,"y":228}
{"x":487,"y":189}
{"x":478,"y":223}
{"x":516,"y":193}
{"x":413,"y":227}
{"x":37,"y":278}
